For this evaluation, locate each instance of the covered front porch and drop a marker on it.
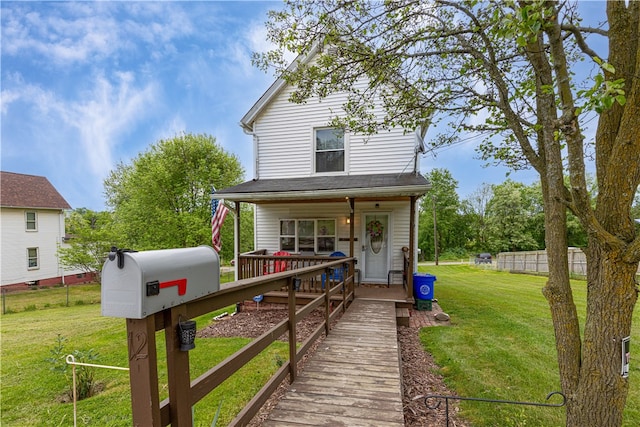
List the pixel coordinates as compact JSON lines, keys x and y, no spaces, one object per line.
{"x":259,"y":263}
{"x":301,"y":222}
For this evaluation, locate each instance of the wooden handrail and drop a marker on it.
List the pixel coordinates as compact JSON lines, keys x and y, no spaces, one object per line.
{"x":183,"y":393}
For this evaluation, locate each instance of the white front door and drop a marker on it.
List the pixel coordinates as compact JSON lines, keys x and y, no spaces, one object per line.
{"x":375,"y":247}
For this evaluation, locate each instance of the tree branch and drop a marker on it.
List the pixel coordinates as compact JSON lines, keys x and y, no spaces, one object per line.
{"x":577,"y":33}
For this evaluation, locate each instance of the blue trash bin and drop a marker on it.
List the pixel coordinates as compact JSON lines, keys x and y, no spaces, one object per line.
{"x":423,"y":284}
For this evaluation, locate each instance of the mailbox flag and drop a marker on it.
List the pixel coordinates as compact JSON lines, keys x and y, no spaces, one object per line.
{"x":216,"y":225}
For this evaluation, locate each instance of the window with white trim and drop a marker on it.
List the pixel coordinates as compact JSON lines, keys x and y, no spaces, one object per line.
{"x":329,"y":150}
{"x":32,"y":259}
{"x":31,"y":221}
{"x":308,"y":235}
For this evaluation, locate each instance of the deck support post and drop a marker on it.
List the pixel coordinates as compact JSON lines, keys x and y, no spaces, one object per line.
{"x":327,"y":300}
{"x":178,"y":370}
{"x":143,"y":372}
{"x":293,"y":363}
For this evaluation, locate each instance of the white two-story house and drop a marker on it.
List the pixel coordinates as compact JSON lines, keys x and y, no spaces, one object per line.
{"x":320,"y":190}
{"x":32,"y":218}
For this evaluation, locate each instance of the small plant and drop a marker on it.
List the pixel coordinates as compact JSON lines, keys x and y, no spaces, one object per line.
{"x":85,"y":382}
{"x":30,"y":307}
{"x":279,"y":360}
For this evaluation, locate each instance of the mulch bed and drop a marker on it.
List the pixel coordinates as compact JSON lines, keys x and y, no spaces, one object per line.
{"x":419,"y":372}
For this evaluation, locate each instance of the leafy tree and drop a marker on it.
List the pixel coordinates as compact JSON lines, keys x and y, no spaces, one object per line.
{"x":91,"y":236}
{"x":475,"y":208}
{"x":451,"y":227}
{"x":509,"y":218}
{"x":511,"y":63}
{"x":162,"y":199}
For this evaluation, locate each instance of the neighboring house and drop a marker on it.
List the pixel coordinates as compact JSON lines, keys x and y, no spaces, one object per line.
{"x":32,"y":221}
{"x":319,"y":190}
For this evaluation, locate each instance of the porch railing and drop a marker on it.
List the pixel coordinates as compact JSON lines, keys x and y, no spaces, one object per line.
{"x":147,"y":408}
{"x":259,"y":263}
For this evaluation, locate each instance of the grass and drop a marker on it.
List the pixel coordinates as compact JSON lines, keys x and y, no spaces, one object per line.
{"x":50,"y":297}
{"x":502,"y":345}
{"x":31,"y":390}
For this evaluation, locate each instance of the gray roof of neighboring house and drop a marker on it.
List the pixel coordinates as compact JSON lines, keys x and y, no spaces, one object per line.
{"x":327,"y":187}
{"x":29,"y":191}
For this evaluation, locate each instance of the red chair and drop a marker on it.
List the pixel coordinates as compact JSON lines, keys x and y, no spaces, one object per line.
{"x":276,"y":265}
{"x":281,"y":265}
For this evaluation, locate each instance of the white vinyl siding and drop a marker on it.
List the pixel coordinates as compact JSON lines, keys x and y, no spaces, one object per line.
{"x":285,"y":141}
{"x":268,"y":217}
{"x":16,"y":241}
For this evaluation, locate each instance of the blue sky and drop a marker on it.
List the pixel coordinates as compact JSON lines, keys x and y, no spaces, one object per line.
{"x":86,"y":85}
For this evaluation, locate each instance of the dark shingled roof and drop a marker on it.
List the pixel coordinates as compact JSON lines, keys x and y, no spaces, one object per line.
{"x":343,"y":184}
{"x":29,"y":191}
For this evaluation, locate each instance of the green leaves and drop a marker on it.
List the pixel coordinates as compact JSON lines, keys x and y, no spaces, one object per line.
{"x":162,"y":199}
{"x":604,"y":93}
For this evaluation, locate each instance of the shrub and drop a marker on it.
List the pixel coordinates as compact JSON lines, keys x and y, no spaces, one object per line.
{"x":85,"y":381}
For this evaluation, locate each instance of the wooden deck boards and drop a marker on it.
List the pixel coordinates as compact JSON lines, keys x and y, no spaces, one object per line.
{"x":353,"y":379}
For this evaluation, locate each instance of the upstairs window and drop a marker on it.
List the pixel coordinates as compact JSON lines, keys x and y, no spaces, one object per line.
{"x":329,"y":150}
{"x":32,"y":258}
{"x":31,"y":221}
{"x":308,"y":235}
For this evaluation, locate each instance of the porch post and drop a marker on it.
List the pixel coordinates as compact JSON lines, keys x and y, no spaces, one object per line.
{"x":236,"y":250}
{"x":352,"y":226}
{"x":412,"y":243}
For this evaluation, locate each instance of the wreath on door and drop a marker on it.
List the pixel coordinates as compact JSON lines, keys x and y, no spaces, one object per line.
{"x":375,"y":230}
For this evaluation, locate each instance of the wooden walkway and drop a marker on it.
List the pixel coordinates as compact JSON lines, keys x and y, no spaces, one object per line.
{"x":353,"y":379}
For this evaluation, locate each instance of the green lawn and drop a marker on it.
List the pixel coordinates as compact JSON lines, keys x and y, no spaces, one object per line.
{"x":501,"y":345}
{"x":30,"y":390}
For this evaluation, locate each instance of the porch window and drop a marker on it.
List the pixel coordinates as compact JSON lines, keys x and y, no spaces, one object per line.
{"x":32,"y":258}
{"x":329,"y":149}
{"x":308,"y":235}
{"x":31,"y":221}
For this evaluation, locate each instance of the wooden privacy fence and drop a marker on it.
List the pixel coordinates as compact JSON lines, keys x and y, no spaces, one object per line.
{"x":147,"y":408}
{"x":536,"y":261}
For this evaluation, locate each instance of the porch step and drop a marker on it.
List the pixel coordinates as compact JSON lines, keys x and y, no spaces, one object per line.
{"x":402,"y":316}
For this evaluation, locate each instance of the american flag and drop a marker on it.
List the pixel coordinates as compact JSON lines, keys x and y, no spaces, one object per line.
{"x":218,"y":213}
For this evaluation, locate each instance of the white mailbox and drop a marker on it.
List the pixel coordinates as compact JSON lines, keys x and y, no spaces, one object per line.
{"x":138,"y":284}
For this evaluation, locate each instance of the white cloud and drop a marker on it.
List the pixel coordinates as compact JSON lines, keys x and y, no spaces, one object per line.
{"x":108,"y":112}
{"x":78,"y":32}
{"x":101,"y":116}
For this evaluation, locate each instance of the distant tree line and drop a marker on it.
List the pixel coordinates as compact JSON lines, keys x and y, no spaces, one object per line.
{"x":493,"y":218}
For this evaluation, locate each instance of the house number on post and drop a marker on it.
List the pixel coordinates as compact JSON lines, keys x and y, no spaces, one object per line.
{"x":625,"y":356}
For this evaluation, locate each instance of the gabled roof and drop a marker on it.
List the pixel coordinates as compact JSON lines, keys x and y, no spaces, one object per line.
{"x":29,"y":191}
{"x":247,"y":120}
{"x":327,"y":187}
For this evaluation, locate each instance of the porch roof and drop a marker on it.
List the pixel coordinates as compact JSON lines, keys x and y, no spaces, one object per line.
{"x":375,"y":186}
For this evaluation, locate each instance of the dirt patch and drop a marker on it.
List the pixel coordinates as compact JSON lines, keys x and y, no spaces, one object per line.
{"x":418,"y":368}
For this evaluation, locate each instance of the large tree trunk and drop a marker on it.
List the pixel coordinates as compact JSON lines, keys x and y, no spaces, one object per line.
{"x":591,"y":374}
{"x":611,"y":297}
